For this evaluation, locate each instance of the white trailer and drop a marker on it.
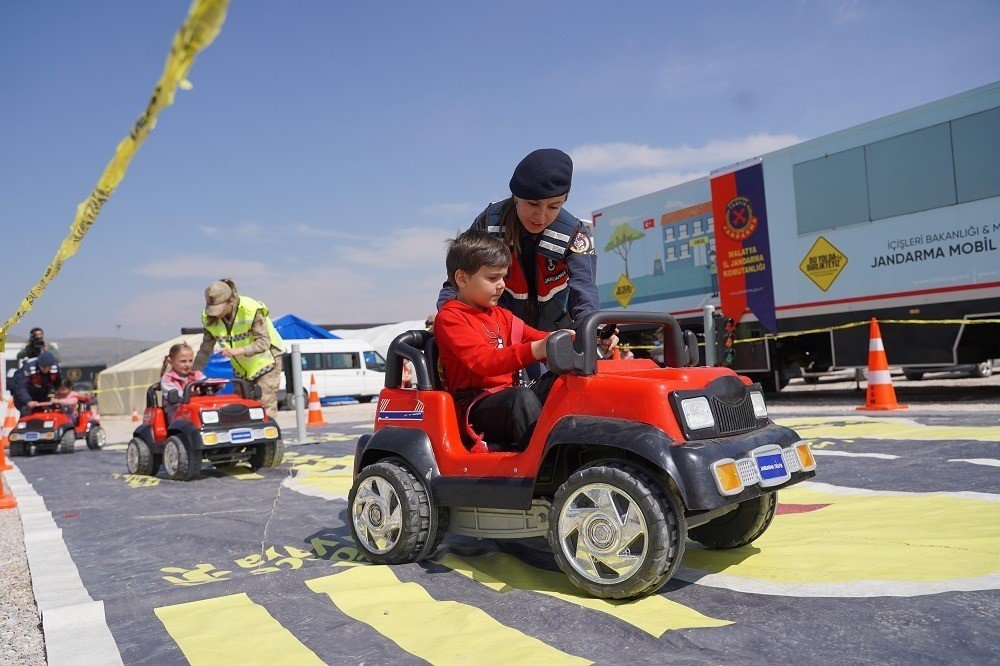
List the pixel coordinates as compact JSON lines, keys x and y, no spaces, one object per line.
{"x":898,"y":218}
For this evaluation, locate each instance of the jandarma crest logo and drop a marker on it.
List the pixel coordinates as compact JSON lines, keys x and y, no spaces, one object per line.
{"x":740,"y":220}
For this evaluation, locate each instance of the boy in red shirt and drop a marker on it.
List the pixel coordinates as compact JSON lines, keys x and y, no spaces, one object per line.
{"x":483,"y":346}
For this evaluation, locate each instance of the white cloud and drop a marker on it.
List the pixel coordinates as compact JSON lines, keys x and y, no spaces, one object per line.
{"x":631,"y":188}
{"x":619,"y":156}
{"x":210,"y":231}
{"x":200,"y":267}
{"x":314,"y":232}
{"x":410,"y":248}
{"x":449,"y":211}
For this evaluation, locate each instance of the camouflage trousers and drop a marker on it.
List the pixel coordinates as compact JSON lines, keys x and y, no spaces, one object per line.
{"x":269,"y":384}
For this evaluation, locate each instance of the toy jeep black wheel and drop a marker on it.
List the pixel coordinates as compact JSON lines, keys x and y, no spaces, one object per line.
{"x":391,"y":514}
{"x":96,"y":438}
{"x":19,"y":449}
{"x":267,"y":455}
{"x":738,"y":527}
{"x":615,"y":532}
{"x":139,"y":458}
{"x":67,"y":443}
{"x":178,"y":462}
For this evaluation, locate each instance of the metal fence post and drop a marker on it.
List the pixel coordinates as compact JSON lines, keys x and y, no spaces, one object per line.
{"x":709,"y":313}
{"x":297,"y":398}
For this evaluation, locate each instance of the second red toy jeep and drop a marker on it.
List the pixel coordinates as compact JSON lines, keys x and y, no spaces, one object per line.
{"x":223,"y":429}
{"x":628,"y":460}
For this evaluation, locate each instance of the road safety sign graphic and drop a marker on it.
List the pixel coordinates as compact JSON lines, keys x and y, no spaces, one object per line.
{"x":624,"y":290}
{"x":823,"y":263}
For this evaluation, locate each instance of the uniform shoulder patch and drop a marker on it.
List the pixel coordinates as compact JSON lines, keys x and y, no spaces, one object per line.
{"x":582,"y":243}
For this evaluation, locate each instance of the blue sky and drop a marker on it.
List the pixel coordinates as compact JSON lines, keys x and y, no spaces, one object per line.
{"x":328,"y":148}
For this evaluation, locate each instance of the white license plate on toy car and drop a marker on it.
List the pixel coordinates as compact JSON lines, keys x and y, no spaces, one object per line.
{"x":31,"y":436}
{"x":770,"y":466}
{"x":241,"y":435}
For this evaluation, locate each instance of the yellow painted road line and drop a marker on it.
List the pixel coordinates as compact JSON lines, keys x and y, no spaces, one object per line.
{"x":438,"y":631}
{"x":653,"y":614}
{"x":232,"y":630}
{"x":329,"y":478}
{"x":240,"y":472}
{"x":867,"y":427}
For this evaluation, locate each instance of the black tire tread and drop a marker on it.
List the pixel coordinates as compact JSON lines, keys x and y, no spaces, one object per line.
{"x":187,"y":467}
{"x":92,"y":438}
{"x":668,"y":519}
{"x":414,"y":537}
{"x":267,"y":455}
{"x":67,"y":443}
{"x":739,"y":527}
{"x":148,"y":465}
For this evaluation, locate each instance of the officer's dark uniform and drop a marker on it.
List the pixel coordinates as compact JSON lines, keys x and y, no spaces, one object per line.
{"x":551,"y":284}
{"x":29,"y":383}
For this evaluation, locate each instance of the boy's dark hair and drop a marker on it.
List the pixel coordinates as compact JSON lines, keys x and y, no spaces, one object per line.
{"x":473,"y":249}
{"x":66,"y":383}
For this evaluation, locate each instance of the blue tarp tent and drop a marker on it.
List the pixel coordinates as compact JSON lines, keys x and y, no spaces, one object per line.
{"x":289,"y":327}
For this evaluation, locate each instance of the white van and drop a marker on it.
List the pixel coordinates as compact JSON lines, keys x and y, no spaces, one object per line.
{"x":350,"y":368}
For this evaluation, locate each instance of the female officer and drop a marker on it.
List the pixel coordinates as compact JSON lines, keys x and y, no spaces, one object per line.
{"x":551,"y":283}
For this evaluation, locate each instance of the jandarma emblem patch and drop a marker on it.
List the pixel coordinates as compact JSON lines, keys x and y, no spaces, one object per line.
{"x":740,"y":220}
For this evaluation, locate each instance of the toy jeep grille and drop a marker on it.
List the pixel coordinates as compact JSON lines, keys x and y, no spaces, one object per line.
{"x":234,"y":415}
{"x":734,"y":418}
{"x":35,"y":425}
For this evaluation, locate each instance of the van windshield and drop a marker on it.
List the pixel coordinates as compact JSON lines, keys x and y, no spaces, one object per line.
{"x":374,"y":361}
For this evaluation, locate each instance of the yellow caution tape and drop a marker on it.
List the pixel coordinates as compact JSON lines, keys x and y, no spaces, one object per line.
{"x":202,"y":25}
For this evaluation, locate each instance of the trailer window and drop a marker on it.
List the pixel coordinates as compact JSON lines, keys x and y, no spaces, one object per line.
{"x":910,"y":172}
{"x":831,"y":191}
{"x":977,"y":155}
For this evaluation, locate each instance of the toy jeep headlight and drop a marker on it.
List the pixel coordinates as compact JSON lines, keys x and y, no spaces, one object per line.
{"x":256,"y":413}
{"x":270,"y":432}
{"x":759,"y":407}
{"x":48,"y":424}
{"x":14,"y":437}
{"x":48,"y":435}
{"x":210,"y":417}
{"x":209,"y":438}
{"x":697,"y":413}
{"x":22,"y":425}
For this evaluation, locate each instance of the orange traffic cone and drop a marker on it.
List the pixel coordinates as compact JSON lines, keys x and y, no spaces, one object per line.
{"x":4,"y":463}
{"x":10,"y":419}
{"x":315,"y":410}
{"x":7,"y":499}
{"x":881,"y":396}
{"x":135,"y":416}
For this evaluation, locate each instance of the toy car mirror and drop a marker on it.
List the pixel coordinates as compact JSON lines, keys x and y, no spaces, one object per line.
{"x":561,"y":357}
{"x":173,"y":397}
{"x":691,"y":343}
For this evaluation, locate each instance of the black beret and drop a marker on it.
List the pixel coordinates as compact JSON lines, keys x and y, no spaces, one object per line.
{"x":46,"y":359}
{"x":543,"y":174}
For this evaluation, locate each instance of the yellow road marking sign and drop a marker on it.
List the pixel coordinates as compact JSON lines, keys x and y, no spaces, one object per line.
{"x":232,"y":630}
{"x":823,"y":263}
{"x":623,"y":290}
{"x":653,"y":614}
{"x":438,"y":631}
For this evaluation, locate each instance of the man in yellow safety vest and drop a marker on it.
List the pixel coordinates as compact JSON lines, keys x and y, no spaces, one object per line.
{"x":241,"y":326}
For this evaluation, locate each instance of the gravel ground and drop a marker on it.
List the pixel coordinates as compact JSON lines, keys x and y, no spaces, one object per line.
{"x":20,"y":630}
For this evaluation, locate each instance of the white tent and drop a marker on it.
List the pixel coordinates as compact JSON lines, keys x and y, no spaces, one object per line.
{"x":379,"y":337}
{"x":123,"y":385}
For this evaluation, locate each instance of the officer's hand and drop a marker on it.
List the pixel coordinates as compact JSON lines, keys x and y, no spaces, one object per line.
{"x":228,"y":353}
{"x":33,"y":403}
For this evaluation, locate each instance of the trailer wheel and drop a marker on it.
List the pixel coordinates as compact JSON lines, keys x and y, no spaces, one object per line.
{"x":139,"y":458}
{"x":913,"y":375}
{"x":982,"y":370}
{"x":391,"y":514}
{"x":178,"y":461}
{"x":615,"y":532}
{"x":67,"y":443}
{"x":740,"y":526}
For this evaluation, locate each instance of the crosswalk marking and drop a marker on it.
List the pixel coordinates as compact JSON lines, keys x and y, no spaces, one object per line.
{"x":232,"y":630}
{"x":438,"y":631}
{"x":653,"y":614}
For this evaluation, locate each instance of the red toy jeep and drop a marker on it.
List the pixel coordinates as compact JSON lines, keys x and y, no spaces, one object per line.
{"x":627,"y":461}
{"x":50,"y":426}
{"x":223,"y":429}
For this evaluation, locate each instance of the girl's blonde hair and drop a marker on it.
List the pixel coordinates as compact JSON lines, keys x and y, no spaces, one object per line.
{"x":174,"y":351}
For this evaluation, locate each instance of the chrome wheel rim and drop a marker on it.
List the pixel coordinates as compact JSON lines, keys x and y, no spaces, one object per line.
{"x":377,"y":515}
{"x":132,"y":457}
{"x":171,"y":457}
{"x":101,"y":439}
{"x":603,"y":533}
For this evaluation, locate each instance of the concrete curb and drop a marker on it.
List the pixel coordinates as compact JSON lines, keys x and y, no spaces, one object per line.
{"x":75,"y":629}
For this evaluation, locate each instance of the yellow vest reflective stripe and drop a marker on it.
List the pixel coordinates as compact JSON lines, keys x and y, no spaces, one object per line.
{"x":239,"y":335}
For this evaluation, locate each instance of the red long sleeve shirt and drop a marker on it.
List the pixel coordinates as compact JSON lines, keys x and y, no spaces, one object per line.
{"x":475,"y":346}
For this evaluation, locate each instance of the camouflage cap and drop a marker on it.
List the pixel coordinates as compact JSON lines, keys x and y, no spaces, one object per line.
{"x":216,"y":296}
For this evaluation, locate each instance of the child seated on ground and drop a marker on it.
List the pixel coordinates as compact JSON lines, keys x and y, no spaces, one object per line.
{"x":483,"y":346}
{"x":180,"y":360}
